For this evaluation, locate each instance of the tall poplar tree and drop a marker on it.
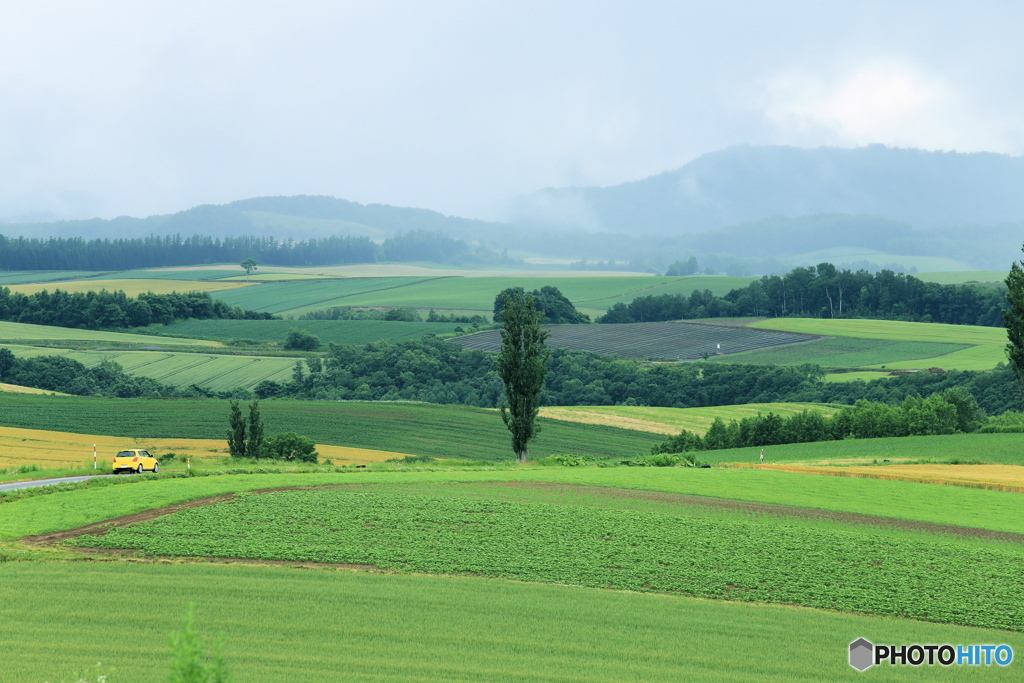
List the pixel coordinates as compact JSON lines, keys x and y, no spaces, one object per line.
{"x":522,"y":365}
{"x":236,"y":432}
{"x":254,"y":446}
{"x":1013,"y":319}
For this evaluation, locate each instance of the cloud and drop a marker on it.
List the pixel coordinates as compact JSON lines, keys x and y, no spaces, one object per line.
{"x":890,"y":101}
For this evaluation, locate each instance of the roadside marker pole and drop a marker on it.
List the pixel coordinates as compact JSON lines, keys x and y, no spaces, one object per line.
{"x":94,"y":456}
{"x":188,"y":464}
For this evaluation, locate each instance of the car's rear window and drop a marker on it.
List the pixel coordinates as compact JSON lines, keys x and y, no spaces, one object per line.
{"x":125,"y":454}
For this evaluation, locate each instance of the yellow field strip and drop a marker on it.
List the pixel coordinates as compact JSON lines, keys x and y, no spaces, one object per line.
{"x":993,"y":477}
{"x":18,"y":389}
{"x":128,"y":286}
{"x":52,"y":450}
{"x":672,"y":420}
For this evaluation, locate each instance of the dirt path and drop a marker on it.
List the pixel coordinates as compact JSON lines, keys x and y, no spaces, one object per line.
{"x":683,"y":500}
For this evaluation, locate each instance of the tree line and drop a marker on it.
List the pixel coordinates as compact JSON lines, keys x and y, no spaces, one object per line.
{"x":947,"y":412}
{"x":111,"y":310}
{"x":436,"y":371}
{"x":823,"y":291}
{"x":76,"y":253}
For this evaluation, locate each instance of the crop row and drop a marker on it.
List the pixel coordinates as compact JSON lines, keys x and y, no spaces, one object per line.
{"x":218,"y":372}
{"x":843,"y":570}
{"x":358,"y":332}
{"x":668,"y":340}
{"x":850,"y":352}
{"x":277,"y":297}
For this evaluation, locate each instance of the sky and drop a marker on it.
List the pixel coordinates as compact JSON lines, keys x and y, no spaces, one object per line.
{"x":112,"y":108}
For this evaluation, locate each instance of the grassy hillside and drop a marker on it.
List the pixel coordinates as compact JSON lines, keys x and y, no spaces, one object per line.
{"x":23,"y":332}
{"x":419,"y":428}
{"x":213,"y":371}
{"x":282,"y":624}
{"x":846,"y":352}
{"x":986,"y":350}
{"x":595,"y":294}
{"x":131,"y":287}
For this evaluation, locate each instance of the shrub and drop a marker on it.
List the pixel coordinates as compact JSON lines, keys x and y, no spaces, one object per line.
{"x":290,"y":446}
{"x":301,"y":340}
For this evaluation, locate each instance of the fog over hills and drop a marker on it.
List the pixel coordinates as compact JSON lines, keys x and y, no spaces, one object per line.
{"x":742,"y":210}
{"x":744,"y":183}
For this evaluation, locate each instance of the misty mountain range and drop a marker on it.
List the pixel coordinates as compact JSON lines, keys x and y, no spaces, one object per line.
{"x":757,"y":208}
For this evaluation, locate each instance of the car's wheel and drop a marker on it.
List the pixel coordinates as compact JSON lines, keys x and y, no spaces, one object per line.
{"x":156,"y":467}
{"x":140,"y":470}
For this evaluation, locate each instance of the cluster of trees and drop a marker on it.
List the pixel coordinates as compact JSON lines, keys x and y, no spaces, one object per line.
{"x":436,"y":371}
{"x":105,"y":310}
{"x":75,"y":253}
{"x":953,"y":410}
{"x":68,"y":376}
{"x":554,"y":308}
{"x":823,"y":291}
{"x":246,"y":439}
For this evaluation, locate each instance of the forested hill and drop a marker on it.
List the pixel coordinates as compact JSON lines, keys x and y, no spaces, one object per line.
{"x":298,"y":217}
{"x":746,"y":183}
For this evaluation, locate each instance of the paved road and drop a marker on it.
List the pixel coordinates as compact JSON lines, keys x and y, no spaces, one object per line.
{"x":47,"y":482}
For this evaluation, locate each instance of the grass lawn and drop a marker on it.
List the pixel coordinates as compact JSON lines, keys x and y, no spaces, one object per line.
{"x":420,"y":428}
{"x":32,"y":333}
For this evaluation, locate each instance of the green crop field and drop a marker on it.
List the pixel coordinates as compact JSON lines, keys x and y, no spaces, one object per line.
{"x":661,"y":341}
{"x":845,"y":352}
{"x":547,"y":525}
{"x":300,"y":295}
{"x":10,"y":332}
{"x":281,"y":624}
{"x":421,"y":428}
{"x":751,"y":560}
{"x":213,"y":371}
{"x":357,"y":332}
{"x":595,"y":294}
{"x":673,"y":420}
{"x":986,"y":350}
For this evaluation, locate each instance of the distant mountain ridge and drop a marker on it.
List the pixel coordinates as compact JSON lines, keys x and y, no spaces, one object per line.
{"x":748,"y":183}
{"x":297,"y":217}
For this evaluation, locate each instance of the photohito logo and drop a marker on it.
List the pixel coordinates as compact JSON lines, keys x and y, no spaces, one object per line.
{"x":864,"y":654}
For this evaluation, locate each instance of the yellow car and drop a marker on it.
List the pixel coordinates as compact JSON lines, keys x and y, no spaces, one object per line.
{"x":135,"y":460}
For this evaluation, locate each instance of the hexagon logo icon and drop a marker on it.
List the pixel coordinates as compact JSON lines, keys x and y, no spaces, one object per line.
{"x":861,"y":654}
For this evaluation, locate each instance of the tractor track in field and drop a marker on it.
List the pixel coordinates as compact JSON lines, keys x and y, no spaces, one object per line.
{"x":684,"y":500}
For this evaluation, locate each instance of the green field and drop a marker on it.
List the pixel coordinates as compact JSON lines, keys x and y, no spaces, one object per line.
{"x":282,"y":624}
{"x":591,"y":294}
{"x":845,"y":352}
{"x":532,"y":524}
{"x":15,"y":332}
{"x":986,"y":350}
{"x":357,"y":332}
{"x":212,"y":371}
{"x":657,"y":341}
{"x":930,"y":503}
{"x":586,"y":545}
{"x":423,"y":428}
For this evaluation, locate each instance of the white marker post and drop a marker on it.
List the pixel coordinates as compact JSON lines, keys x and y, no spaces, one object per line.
{"x":94,"y":456}
{"x":188,"y":464}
